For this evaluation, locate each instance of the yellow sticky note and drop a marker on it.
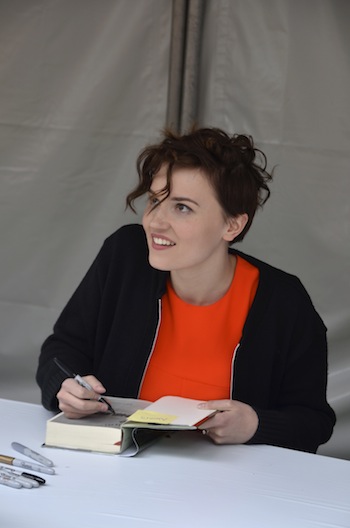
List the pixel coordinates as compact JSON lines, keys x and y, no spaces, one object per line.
{"x":144,"y":416}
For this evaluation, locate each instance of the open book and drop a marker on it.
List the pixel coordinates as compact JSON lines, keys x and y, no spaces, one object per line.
{"x":136,"y":424}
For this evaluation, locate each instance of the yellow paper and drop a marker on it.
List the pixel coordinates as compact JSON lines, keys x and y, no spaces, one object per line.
{"x":144,"y":416}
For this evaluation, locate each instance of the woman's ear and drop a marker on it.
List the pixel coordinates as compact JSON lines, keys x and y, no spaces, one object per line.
{"x":235,"y":226}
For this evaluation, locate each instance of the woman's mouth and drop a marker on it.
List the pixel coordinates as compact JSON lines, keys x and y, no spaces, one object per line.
{"x":161,"y":241}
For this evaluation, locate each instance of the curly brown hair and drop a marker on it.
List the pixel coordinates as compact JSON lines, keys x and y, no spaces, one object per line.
{"x":234,"y":167}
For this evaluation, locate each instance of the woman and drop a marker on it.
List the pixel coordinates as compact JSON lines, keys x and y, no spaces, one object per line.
{"x":171,"y":308}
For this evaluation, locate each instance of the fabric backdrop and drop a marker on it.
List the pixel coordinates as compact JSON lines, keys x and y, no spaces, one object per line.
{"x":84,"y":85}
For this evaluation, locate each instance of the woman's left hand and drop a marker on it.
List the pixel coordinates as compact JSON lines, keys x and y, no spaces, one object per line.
{"x":235,"y":423}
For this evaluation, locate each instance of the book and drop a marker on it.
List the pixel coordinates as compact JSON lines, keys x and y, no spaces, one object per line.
{"x":136,"y":424}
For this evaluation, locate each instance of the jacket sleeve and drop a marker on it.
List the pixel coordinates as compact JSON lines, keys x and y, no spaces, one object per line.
{"x":293,"y":411}
{"x":73,"y":335}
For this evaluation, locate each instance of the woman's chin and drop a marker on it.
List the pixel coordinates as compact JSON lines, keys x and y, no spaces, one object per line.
{"x":158,"y":263}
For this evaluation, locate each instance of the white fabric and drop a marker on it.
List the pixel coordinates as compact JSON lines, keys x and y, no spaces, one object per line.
{"x":83,"y":87}
{"x":181,"y":481}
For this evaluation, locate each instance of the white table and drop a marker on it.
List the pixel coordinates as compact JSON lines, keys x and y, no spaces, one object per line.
{"x":183,"y":481}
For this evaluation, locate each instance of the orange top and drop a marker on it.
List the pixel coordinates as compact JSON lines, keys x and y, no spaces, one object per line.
{"x":194,"y":350}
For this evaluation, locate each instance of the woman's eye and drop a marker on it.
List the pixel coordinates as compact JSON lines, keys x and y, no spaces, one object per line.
{"x":183,"y":208}
{"x":153,"y":200}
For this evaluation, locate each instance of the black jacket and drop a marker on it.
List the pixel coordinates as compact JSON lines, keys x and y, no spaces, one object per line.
{"x":280,"y":368}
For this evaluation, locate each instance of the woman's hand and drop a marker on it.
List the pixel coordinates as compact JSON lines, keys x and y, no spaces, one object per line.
{"x":235,"y":423}
{"x":76,"y":401}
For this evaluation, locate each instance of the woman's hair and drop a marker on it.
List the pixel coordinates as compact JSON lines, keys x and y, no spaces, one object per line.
{"x":234,"y":167}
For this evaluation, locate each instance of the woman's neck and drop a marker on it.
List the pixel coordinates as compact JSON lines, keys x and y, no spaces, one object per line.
{"x":205,"y":287}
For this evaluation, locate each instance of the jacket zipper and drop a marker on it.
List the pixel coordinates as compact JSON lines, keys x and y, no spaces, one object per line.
{"x":153,"y":346}
{"x":233,"y":368}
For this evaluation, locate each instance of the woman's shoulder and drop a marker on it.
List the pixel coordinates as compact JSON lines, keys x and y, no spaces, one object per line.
{"x":269,"y":270}
{"x":128,"y":232}
{"x":125,"y":248}
{"x":283,"y":290}
{"x":277,"y":282}
{"x":130,"y":239}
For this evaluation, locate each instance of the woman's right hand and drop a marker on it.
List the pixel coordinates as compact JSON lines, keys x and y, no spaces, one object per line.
{"x":76,"y":401}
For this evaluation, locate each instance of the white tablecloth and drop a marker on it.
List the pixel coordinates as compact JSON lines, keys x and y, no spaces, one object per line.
{"x":182,"y":481}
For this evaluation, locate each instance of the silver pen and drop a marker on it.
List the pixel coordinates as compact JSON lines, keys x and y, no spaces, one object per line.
{"x":81,"y":382}
{"x":31,"y":454}
{"x":24,"y":474}
{"x":19,"y":475}
{"x":26,"y":483}
{"x":10,"y":481}
{"x":17,"y":462}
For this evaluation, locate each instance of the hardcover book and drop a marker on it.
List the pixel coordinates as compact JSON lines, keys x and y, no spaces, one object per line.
{"x":136,"y":424}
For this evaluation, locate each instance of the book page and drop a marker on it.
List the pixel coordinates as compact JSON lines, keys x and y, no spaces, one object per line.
{"x":172,"y":411}
{"x":123,"y":408}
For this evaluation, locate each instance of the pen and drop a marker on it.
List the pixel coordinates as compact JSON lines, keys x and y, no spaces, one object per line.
{"x":26,"y":483}
{"x":26,"y":465}
{"x":30,"y":476}
{"x":31,"y":454}
{"x":81,"y":382}
{"x":8,"y":481}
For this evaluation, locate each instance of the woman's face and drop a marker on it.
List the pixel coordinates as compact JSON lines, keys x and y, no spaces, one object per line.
{"x":188,"y":231}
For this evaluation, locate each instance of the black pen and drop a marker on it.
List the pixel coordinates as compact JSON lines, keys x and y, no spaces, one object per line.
{"x":81,"y":382}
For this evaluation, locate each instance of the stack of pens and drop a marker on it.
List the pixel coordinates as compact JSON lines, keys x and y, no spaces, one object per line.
{"x":20,"y":479}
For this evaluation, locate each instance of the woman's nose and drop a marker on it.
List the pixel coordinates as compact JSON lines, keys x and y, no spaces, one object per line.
{"x":158,"y":215}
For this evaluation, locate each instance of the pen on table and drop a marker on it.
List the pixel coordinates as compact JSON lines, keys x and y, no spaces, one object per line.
{"x":9,"y":481}
{"x":31,"y":454}
{"x":17,"y":462}
{"x":81,"y":382}
{"x":26,"y":483}
{"x":30,"y":476}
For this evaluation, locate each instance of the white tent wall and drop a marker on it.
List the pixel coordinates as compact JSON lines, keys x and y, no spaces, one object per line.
{"x":83,"y":86}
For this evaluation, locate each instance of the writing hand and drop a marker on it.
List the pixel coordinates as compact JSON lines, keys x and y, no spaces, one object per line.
{"x":76,"y":401}
{"x":235,"y":423}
